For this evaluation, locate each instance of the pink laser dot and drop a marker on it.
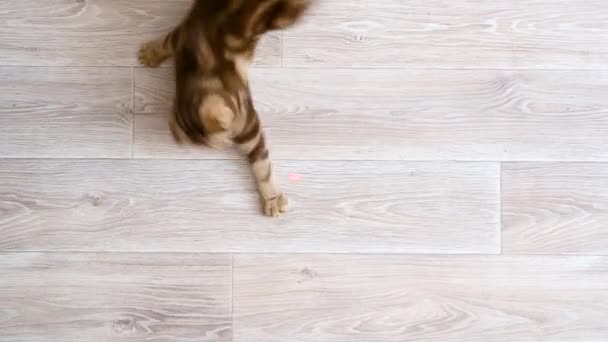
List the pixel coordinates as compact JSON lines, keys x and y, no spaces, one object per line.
{"x":294,"y":177}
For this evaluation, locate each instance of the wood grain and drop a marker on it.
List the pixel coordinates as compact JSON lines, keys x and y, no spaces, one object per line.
{"x":407,"y":114}
{"x":94,"y":32}
{"x":211,"y":206}
{"x":539,"y":34}
{"x":65,"y":112}
{"x":350,"y":298}
{"x":555,"y":208}
{"x":114,"y":297}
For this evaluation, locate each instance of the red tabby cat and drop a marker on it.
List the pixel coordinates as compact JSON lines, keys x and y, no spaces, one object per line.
{"x":213,"y":47}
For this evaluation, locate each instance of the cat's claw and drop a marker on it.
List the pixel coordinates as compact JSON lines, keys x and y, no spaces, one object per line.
{"x":148,"y":55}
{"x":275,"y":206}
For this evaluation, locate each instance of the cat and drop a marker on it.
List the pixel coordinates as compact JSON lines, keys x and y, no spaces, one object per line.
{"x":212,"y":49}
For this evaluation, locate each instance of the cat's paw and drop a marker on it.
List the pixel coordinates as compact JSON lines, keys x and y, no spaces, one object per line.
{"x":149,"y":55}
{"x":275,"y":206}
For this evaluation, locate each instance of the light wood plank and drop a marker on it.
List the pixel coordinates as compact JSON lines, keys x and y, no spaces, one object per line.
{"x":346,"y":298}
{"x":94,"y":32}
{"x":65,"y":112}
{"x":211,"y":206}
{"x":555,"y":208}
{"x":542,"y":34}
{"x":115,"y":297}
{"x":407,"y":114}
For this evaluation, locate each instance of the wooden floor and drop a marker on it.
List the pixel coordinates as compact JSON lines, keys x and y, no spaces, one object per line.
{"x":454,"y":162}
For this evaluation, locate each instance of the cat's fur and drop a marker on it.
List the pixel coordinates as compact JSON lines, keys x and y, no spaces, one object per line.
{"x":212,"y":48}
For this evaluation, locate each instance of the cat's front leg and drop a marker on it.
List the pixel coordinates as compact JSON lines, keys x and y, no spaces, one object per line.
{"x":251,"y":142}
{"x":153,"y":53}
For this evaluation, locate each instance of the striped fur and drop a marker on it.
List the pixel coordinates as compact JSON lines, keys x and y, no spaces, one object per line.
{"x":212,"y":48}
